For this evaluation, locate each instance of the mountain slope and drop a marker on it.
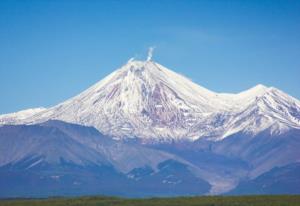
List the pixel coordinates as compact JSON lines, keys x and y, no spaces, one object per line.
{"x":141,"y":99}
{"x":177,"y":137}
{"x":279,"y":180}
{"x":57,"y":158}
{"x":148,"y":101}
{"x":240,"y":156}
{"x":18,"y":117}
{"x":56,"y":140}
{"x":269,"y":109}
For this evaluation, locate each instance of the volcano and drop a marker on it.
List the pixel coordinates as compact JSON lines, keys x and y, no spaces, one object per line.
{"x":145,"y":100}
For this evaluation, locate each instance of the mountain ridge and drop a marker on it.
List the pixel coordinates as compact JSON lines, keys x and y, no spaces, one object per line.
{"x":146,"y":100}
{"x":154,"y":133}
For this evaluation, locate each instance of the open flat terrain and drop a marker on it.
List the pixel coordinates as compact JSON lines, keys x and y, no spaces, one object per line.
{"x":284,"y":200}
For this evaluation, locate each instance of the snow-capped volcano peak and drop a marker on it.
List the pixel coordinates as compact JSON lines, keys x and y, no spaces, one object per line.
{"x":142,"y":98}
{"x":147,"y":100}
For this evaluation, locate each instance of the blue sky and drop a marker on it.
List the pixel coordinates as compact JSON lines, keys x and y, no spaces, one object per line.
{"x":52,"y":50}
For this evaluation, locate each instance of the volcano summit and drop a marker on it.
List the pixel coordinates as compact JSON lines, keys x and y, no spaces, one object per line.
{"x":187,"y":140}
{"x":145,"y":100}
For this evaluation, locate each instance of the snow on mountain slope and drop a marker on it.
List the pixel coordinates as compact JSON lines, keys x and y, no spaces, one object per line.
{"x":142,"y":99}
{"x":16,"y":117}
{"x":146,"y":100}
{"x":268,"y":108}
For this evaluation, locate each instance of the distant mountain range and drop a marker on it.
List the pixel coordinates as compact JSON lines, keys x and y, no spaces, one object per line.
{"x":147,"y":131}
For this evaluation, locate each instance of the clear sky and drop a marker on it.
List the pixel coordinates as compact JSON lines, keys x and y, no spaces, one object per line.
{"x":52,"y":50}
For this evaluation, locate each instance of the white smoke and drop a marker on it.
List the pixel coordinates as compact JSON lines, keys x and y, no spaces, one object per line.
{"x":150,"y":53}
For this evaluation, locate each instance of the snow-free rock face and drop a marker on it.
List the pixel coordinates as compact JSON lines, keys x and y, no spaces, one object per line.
{"x":58,"y":158}
{"x":143,"y":99}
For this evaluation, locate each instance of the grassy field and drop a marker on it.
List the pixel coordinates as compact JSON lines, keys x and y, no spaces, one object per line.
{"x":285,"y":200}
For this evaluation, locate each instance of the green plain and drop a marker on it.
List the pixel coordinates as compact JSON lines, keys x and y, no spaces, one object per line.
{"x":276,"y":200}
